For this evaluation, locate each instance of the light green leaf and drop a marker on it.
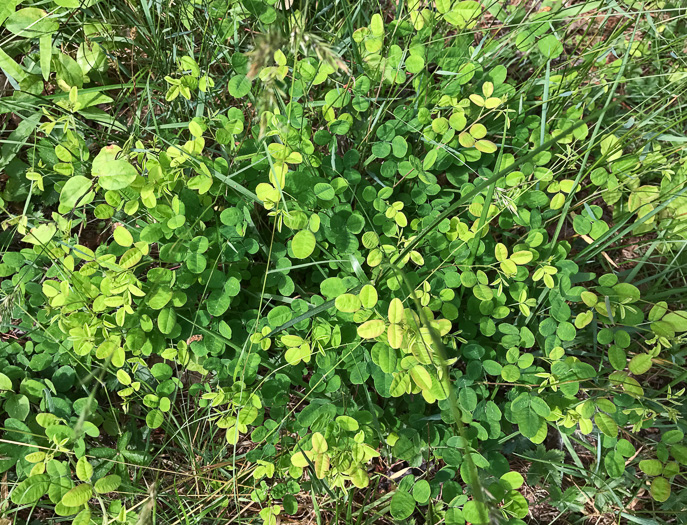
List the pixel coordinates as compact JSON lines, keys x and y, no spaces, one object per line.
{"x":31,"y":22}
{"x":108,"y":484}
{"x":651,"y":467}
{"x":82,"y":518}
{"x":368,"y":296}
{"x":476,"y":512}
{"x":7,"y":7}
{"x":45,"y":48}
{"x":501,"y":252}
{"x":464,"y":14}
{"x":348,"y":423}
{"x":371,"y":329}
{"x":72,"y":191}
{"x":303,"y":244}
{"x":640,"y":364}
{"x":155,"y":418}
{"x":11,"y":68}
{"x":239,"y":86}
{"x":512,"y":480}
{"x":166,"y":320}
{"x":78,"y":496}
{"x":606,"y":424}
{"x":421,"y":377}
{"x":415,"y":64}
{"x":396,"y":310}
{"x":348,"y":303}
{"x":485,"y":146}
{"x":84,"y":470}
{"x":677,"y":320}
{"x":122,"y":236}
{"x":113,"y":173}
{"x":296,"y":354}
{"x":5,"y":383}
{"x":483,"y":292}
{"x":550,"y":47}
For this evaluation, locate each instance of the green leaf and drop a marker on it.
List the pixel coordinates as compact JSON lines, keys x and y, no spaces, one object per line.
{"x":31,"y":490}
{"x":348,"y":423}
{"x":672,"y":436}
{"x":196,"y":262}
{"x":45,"y":48}
{"x":161,"y":371}
{"x":606,"y":424}
{"x":82,"y":518}
{"x":17,"y":406}
{"x":78,"y":496}
{"x":651,"y":467}
{"x":614,"y":464}
{"x":476,"y":512}
{"x":443,"y":6}
{"x":297,"y":354}
{"x":660,"y":489}
{"x":166,"y":320}
{"x":303,"y":244}
{"x":159,"y":297}
{"x":385,"y":357}
{"x":415,"y":64}
{"x":218,"y":302}
{"x":108,"y":484}
{"x":483,"y":292}
{"x":510,"y":373}
{"x":332,"y":287}
{"x":11,"y":68}
{"x":677,"y":319}
{"x":72,"y":191}
{"x":528,"y":422}
{"x":422,"y":491}
{"x":617,"y":357}
{"x":679,"y":452}
{"x":239,"y":86}
{"x":550,"y":47}
{"x":512,"y":480}
{"x":68,"y":71}
{"x":540,"y":406}
{"x":324,"y":191}
{"x":7,"y":7}
{"x":464,"y":14}
{"x":31,"y":22}
{"x":566,"y":331}
{"x":402,"y":505}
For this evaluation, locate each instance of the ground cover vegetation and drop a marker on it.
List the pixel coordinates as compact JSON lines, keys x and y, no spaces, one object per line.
{"x":343,"y":262}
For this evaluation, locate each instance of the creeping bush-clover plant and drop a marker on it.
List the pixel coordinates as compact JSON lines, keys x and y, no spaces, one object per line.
{"x":375,"y":266}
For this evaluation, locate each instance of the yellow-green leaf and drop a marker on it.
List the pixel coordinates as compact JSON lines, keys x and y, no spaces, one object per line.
{"x":371,"y":329}
{"x":395,"y":311}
